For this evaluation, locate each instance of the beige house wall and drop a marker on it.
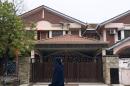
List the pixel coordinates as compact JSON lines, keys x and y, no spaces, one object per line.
{"x":46,"y":25}
{"x":114,"y":25}
{"x":109,"y":62}
{"x":124,"y":71}
{"x":125,"y":76}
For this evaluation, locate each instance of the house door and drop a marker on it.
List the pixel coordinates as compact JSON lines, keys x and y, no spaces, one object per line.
{"x":114,"y":74}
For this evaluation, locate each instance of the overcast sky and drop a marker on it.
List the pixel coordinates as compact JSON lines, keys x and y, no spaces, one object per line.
{"x":91,"y":11}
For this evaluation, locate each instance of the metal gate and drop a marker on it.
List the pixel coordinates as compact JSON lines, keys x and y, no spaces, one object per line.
{"x":76,"y":69}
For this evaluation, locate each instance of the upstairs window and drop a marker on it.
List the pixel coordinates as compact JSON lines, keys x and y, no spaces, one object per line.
{"x":119,"y":35}
{"x":123,"y":34}
{"x":42,"y":35}
{"x":66,"y":32}
{"x":57,"y":33}
{"x":127,"y":33}
{"x":75,"y":32}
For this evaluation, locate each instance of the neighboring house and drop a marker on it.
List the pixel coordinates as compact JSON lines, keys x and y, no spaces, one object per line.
{"x":117,"y":32}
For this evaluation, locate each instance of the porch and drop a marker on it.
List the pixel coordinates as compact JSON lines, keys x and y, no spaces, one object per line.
{"x":82,"y":59}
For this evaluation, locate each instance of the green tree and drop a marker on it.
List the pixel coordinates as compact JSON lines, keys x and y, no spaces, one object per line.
{"x":12,"y":31}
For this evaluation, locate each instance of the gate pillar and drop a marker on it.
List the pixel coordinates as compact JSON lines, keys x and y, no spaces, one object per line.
{"x":109,"y":62}
{"x":32,"y":56}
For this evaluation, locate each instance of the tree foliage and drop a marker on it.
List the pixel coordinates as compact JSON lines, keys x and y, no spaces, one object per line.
{"x":12,"y":30}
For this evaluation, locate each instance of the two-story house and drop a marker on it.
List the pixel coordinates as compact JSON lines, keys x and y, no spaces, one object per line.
{"x":117,"y":32}
{"x":59,"y":35}
{"x":91,"y":53}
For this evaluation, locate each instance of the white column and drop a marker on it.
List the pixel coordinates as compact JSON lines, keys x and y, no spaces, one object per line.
{"x":116,"y":37}
{"x":32,"y":56}
{"x":64,"y":32}
{"x":103,"y":52}
{"x":50,"y":34}
{"x":104,"y":35}
{"x":80,"y":32}
{"x":122,"y":34}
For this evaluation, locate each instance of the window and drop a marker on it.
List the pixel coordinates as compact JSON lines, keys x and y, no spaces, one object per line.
{"x":66,"y":32}
{"x":42,"y":35}
{"x":75,"y":32}
{"x":127,"y":33}
{"x":119,"y":35}
{"x":57,"y":33}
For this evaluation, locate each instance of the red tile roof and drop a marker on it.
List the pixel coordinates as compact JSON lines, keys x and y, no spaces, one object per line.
{"x":70,"y":39}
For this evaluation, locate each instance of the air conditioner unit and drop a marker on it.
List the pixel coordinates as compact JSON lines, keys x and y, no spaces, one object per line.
{"x":112,"y":31}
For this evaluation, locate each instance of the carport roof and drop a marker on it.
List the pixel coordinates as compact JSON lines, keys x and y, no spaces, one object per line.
{"x":70,"y":39}
{"x":119,"y":43}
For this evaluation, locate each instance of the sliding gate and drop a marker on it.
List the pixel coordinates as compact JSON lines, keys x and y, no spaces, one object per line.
{"x":76,"y":69}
